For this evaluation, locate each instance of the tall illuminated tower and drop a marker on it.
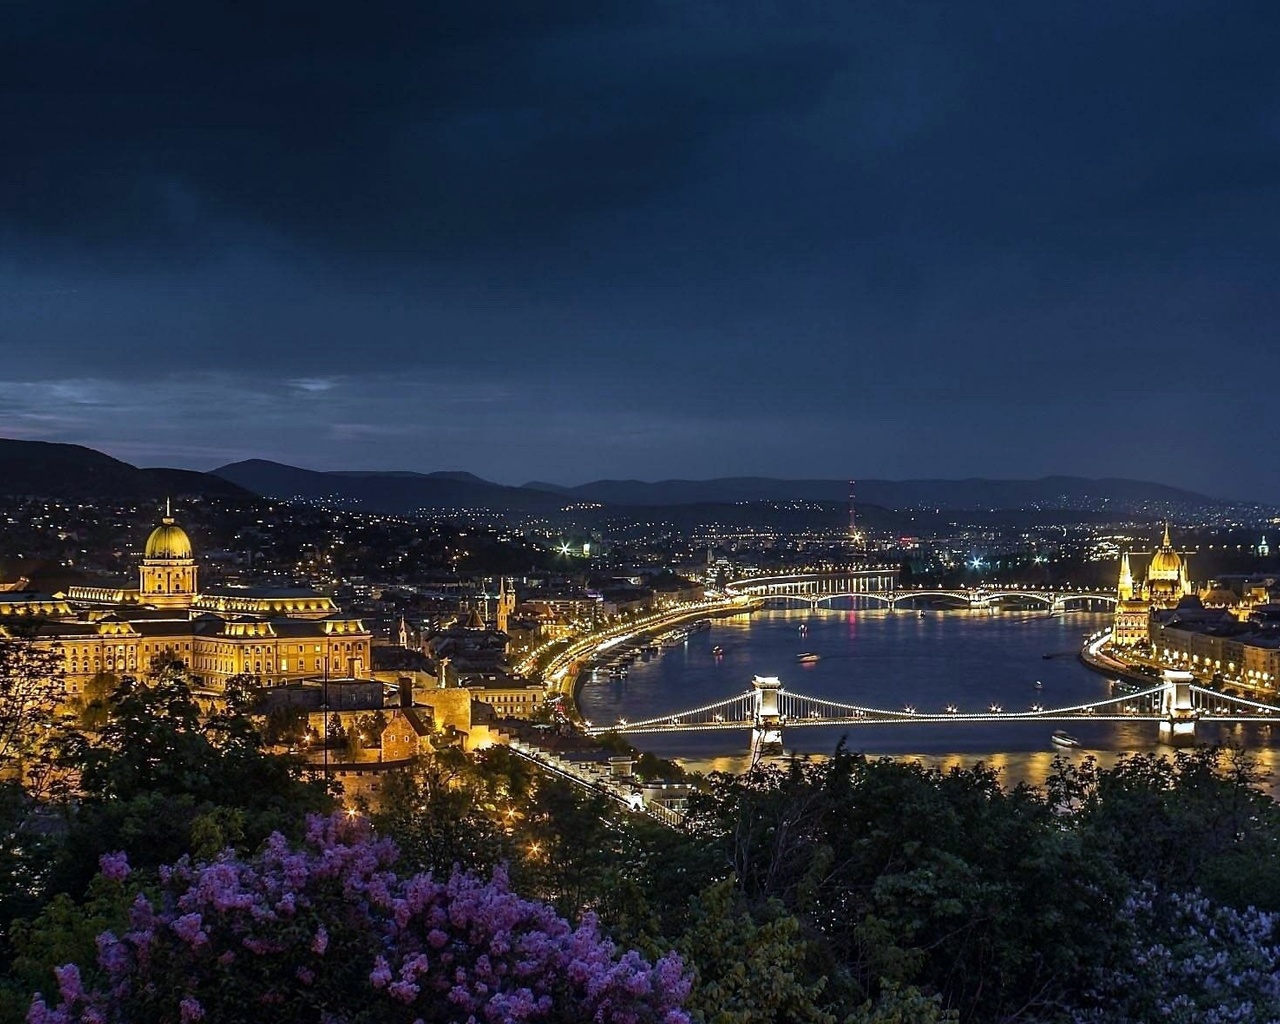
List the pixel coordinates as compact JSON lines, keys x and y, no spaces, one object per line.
{"x":857,"y":542}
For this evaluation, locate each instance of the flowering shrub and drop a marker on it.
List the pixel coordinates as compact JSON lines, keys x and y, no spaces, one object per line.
{"x":330,"y":933}
{"x":1191,"y":961}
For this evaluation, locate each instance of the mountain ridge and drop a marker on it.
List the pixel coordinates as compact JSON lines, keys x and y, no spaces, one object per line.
{"x":58,"y":470}
{"x":457,"y":489}
{"x":52,"y":469}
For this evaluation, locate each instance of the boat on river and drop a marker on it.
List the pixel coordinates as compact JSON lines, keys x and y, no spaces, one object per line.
{"x":1062,"y":738}
{"x":808,"y":658}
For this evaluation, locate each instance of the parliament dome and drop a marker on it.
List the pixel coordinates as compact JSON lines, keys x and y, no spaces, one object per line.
{"x":168,"y":540}
{"x":1165,"y":562}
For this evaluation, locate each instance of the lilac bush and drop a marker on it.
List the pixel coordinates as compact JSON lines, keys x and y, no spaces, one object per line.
{"x":329,"y":932}
{"x":1191,"y":961}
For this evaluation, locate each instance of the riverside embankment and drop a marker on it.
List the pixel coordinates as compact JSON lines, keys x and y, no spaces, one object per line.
{"x":562,"y":674}
{"x":1093,"y":655}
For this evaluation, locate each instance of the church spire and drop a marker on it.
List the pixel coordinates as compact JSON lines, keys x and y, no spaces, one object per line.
{"x":1125,"y":590}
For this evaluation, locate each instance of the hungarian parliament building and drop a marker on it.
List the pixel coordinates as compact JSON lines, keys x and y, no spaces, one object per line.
{"x":1225,"y":637}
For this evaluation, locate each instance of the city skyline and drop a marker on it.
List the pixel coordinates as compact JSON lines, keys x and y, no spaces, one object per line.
{"x":598,"y":241}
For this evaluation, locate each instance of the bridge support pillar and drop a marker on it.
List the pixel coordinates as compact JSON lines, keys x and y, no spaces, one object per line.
{"x":1178,"y":721}
{"x":766,"y":735}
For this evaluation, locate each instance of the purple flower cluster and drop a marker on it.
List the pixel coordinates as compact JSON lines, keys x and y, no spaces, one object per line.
{"x":330,"y":931}
{"x":1191,"y":962}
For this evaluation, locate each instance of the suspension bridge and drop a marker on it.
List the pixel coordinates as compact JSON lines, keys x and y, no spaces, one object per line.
{"x":1176,"y":703}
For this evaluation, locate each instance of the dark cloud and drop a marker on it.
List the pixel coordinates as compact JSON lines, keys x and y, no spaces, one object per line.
{"x":398,"y":128}
{"x":618,"y":234}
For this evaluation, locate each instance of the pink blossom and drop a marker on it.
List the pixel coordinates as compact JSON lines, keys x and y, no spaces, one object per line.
{"x":493,"y":955}
{"x":114,"y":866}
{"x":39,"y":1013}
{"x":405,"y":991}
{"x":381,"y":973}
{"x":69,"y":986}
{"x":188,"y":929}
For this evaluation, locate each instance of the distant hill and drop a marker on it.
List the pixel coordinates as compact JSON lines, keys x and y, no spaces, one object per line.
{"x":71,"y":472}
{"x":387,"y":492}
{"x":972,"y":494}
{"x":408,"y":492}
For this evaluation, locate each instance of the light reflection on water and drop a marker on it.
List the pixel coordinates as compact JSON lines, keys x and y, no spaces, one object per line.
{"x":886,"y":659}
{"x":1031,"y":768}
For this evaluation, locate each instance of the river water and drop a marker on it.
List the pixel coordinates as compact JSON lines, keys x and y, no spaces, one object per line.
{"x":888,"y":660}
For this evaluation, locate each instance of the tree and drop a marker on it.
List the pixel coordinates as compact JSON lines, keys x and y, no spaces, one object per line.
{"x":747,"y":971}
{"x":1196,"y":820}
{"x":436,"y":824}
{"x":159,"y":781}
{"x":335,"y":733}
{"x":95,"y":698}
{"x":241,"y":693}
{"x":915,"y":876}
{"x":32,"y":683}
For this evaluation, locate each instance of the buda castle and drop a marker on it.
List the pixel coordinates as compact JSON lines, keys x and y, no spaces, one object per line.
{"x":276,"y":635}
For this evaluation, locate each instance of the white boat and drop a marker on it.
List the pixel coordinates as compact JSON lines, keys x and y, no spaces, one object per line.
{"x":1062,"y":738}
{"x":808,"y":658}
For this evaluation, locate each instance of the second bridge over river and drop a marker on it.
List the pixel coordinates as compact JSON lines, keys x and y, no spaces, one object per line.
{"x":878,"y":586}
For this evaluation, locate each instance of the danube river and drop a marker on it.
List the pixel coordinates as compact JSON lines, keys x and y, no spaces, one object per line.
{"x":889,"y":660}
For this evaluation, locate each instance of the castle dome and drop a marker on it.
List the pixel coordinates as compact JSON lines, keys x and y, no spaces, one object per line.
{"x":168,"y":540}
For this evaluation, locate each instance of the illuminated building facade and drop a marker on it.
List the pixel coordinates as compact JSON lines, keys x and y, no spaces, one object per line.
{"x":277,"y":635}
{"x":1166,"y":584}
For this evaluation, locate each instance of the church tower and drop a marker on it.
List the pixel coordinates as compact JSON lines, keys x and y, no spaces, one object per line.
{"x":1125,"y":589}
{"x":168,"y":572}
{"x":1130,"y":626}
{"x":506,"y":604}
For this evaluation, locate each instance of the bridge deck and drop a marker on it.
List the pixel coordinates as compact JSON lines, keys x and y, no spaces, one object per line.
{"x":796,"y":710}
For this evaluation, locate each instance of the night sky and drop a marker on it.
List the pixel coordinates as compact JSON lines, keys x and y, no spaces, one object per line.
{"x":580,"y":240}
